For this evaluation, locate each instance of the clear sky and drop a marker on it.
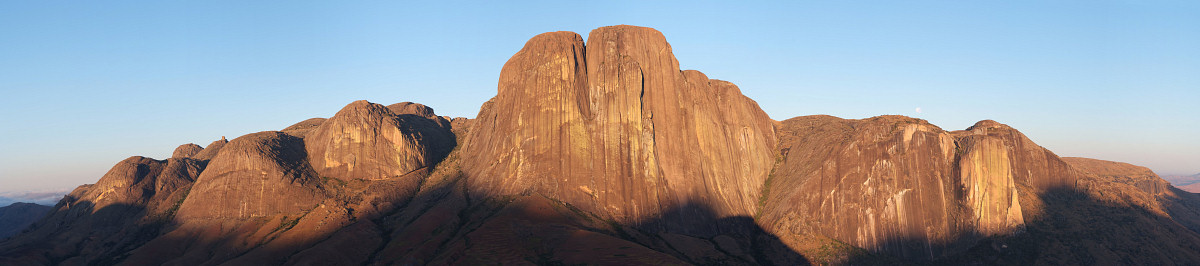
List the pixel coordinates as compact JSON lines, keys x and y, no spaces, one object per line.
{"x":86,"y":84}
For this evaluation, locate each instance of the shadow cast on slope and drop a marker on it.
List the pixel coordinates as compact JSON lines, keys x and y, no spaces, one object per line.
{"x":531,"y":228}
{"x":441,"y":223}
{"x":695,"y":233}
{"x":1075,"y":228}
{"x":78,"y":234}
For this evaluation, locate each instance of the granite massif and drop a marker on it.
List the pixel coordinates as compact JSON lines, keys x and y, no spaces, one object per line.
{"x":605,"y":152}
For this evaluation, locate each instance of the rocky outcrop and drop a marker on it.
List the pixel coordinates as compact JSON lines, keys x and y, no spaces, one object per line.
{"x":985,"y":170}
{"x":302,"y":128}
{"x":412,"y":108}
{"x":186,"y":150}
{"x":877,"y":179}
{"x":618,"y":129}
{"x":211,"y":150}
{"x":1159,"y":196}
{"x":95,"y":223}
{"x":887,"y":184}
{"x":1137,"y":176}
{"x":988,"y":194}
{"x":1032,"y":165}
{"x":368,"y":141}
{"x":255,"y":175}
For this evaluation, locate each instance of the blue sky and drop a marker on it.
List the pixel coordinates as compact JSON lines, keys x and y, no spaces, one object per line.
{"x":87,"y":84}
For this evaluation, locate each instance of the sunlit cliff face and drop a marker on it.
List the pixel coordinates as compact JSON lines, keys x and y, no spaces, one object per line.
{"x":615,"y":127}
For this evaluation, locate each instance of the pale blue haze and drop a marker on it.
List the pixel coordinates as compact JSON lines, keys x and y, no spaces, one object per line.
{"x":86,"y":84}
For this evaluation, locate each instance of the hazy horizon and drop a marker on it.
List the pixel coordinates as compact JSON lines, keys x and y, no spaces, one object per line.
{"x":90,"y":84}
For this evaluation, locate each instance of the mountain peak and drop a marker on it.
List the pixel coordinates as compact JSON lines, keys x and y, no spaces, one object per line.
{"x":622,"y":124}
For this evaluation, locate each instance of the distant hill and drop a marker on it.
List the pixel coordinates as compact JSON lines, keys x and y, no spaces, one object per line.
{"x":1193,"y":188}
{"x":1182,"y":180}
{"x":15,"y":217}
{"x":39,"y":197}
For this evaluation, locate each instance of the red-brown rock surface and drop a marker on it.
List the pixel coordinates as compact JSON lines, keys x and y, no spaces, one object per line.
{"x":889,"y":184}
{"x":1137,"y":176}
{"x":255,"y":175}
{"x":94,"y":223}
{"x":367,"y":141}
{"x":618,"y":129}
{"x":301,"y":129}
{"x":900,"y":186}
{"x":1159,"y":196}
{"x":211,"y":150}
{"x":186,"y":150}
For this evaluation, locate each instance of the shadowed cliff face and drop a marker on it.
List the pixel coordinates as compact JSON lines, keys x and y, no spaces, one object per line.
{"x":616,"y":128}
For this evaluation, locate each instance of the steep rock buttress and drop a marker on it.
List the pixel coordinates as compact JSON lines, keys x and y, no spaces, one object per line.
{"x":616,"y":128}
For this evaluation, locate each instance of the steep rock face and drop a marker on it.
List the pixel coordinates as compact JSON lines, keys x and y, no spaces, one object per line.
{"x":1034,"y":166}
{"x":186,"y":150}
{"x":986,"y":194}
{"x":255,"y":175}
{"x":618,"y":129}
{"x":129,"y":182}
{"x":901,"y":186}
{"x":437,"y":132}
{"x":368,"y":141}
{"x":986,"y":174}
{"x":886,"y":184}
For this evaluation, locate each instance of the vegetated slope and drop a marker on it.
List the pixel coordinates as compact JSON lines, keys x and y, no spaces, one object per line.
{"x":605,"y":152}
{"x":17,"y":216}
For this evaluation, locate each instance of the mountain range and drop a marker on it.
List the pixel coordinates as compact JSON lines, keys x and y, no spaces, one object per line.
{"x":605,"y":152}
{"x":1189,"y":183}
